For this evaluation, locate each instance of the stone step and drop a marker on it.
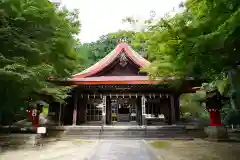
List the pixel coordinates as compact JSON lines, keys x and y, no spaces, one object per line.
{"x":111,"y":133}
{"x":125,"y":128}
{"x":124,"y":131}
{"x":125,"y":137}
{"x":129,"y":135}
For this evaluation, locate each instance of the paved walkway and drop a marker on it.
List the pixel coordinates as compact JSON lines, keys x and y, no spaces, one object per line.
{"x":123,"y":150}
{"x":84,"y":150}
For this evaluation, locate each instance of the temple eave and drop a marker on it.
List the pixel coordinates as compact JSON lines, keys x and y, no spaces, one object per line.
{"x":115,"y":82}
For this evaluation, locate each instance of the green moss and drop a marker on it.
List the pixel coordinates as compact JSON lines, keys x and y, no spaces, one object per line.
{"x":160,"y":144}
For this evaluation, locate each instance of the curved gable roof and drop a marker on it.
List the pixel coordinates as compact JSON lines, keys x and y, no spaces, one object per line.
{"x":108,"y":59}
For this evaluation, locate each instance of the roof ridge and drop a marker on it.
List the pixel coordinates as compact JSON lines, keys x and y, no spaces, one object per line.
{"x":98,"y":62}
{"x":108,"y":59}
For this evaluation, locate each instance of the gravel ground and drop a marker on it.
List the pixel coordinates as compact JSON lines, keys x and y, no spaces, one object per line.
{"x":198,"y":150}
{"x":61,"y":150}
{"x":76,"y":149}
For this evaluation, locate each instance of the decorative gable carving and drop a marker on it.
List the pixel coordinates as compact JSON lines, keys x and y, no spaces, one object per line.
{"x":122,"y":66}
{"x":123,"y":59}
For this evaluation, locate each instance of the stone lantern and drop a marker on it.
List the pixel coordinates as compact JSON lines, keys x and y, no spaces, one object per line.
{"x":214,"y":102}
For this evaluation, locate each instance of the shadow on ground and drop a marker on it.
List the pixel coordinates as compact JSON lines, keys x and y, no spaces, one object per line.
{"x":20,"y":140}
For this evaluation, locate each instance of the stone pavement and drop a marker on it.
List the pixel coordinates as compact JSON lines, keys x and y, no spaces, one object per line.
{"x":123,"y":150}
{"x":76,"y":149}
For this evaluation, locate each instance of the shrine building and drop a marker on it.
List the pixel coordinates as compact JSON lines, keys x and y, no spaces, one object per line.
{"x":114,"y":90}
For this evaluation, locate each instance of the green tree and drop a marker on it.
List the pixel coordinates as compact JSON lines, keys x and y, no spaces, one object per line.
{"x":207,"y":31}
{"x":37,"y":42}
{"x":95,"y":51}
{"x":202,"y":41}
{"x":191,"y":103}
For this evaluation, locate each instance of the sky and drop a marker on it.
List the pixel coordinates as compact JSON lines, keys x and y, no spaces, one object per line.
{"x":99,"y":17}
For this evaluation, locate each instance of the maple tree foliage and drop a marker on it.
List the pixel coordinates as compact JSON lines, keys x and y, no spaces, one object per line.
{"x":202,"y":41}
{"x":37,"y":42}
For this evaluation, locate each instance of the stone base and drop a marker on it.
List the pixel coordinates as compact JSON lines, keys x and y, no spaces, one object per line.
{"x":217,"y":133}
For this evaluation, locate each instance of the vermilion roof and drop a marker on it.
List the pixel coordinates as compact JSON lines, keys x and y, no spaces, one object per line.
{"x":121,"y":80}
{"x":114,"y":80}
{"x":107,"y":60}
{"x":87,"y":77}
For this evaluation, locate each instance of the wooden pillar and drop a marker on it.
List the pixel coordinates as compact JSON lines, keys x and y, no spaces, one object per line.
{"x":78,"y":116}
{"x":60,"y":114}
{"x":172,"y":105}
{"x":139,"y":110}
{"x":177,"y":107}
{"x":171,"y":111}
{"x":85,"y":110}
{"x":81,"y":110}
{"x":63,"y":114}
{"x":75,"y":108}
{"x":108,"y":110}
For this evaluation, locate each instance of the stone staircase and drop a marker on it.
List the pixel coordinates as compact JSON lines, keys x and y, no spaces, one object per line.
{"x":128,"y":132}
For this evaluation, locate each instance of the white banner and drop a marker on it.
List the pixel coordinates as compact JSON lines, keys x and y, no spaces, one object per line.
{"x":143,"y":105}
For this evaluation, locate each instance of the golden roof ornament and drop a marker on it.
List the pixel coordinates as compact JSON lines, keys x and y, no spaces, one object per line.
{"x":123,"y":59}
{"x":123,"y":40}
